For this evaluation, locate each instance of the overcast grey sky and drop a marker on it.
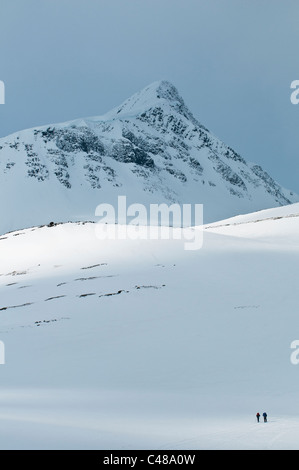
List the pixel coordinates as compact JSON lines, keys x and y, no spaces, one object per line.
{"x":232,"y":61}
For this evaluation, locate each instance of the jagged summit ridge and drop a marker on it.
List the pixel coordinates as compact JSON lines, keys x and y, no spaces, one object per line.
{"x":150,"y":148}
{"x":159,"y":94}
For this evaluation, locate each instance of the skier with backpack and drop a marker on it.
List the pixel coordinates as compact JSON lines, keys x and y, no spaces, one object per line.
{"x":265,"y":417}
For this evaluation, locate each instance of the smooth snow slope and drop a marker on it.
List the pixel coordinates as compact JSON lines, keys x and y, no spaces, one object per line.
{"x":141,"y":344}
{"x":268,"y":229}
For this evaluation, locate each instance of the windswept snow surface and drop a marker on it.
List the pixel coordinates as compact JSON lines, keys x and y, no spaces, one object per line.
{"x":122,"y":344}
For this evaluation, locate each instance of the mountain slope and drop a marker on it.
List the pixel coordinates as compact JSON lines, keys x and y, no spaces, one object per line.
{"x":262,"y":225}
{"x":143,"y":345}
{"x":151,"y":149}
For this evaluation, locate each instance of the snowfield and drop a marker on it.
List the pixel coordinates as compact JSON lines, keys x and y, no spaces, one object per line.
{"x":121,"y":344}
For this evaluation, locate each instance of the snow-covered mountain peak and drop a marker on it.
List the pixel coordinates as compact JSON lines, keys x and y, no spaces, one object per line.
{"x":150,"y":149}
{"x":158,"y":95}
